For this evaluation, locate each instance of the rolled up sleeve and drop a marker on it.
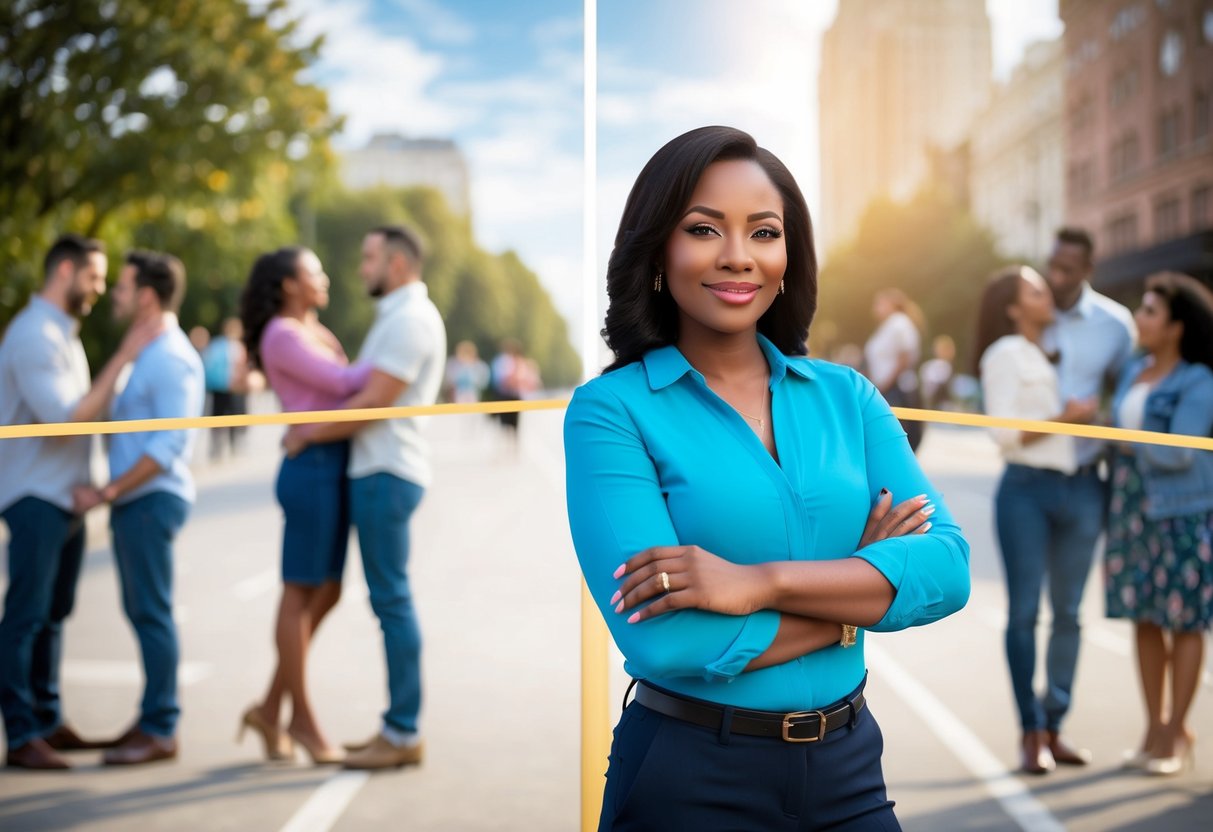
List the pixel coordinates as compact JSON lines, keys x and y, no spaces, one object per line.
{"x":177,"y":393}
{"x":616,"y":509}
{"x":929,"y":572}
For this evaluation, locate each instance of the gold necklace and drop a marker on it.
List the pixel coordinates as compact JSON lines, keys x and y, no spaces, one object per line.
{"x":762,"y":422}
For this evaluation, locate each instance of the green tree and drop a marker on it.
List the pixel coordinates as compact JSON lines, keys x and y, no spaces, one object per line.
{"x":180,"y":124}
{"x":929,"y":247}
{"x":483,"y":297}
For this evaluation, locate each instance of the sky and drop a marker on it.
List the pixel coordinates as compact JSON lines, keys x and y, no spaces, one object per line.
{"x":504,"y":80}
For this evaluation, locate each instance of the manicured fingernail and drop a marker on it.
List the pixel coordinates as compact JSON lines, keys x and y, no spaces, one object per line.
{"x":926,"y":527}
{"x":618,"y":594}
{"x":928,"y":511}
{"x":622,"y":568}
{"x":633,"y":618}
{"x":619,"y":607}
{"x":922,"y":498}
{"x":884,"y":491}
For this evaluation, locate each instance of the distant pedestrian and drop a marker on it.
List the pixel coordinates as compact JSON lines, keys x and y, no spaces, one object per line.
{"x":308,"y":370}
{"x":389,"y":472}
{"x":466,"y":374}
{"x":1040,"y":537}
{"x":226,"y":362}
{"x":935,"y":374}
{"x":514,"y":377}
{"x":1159,"y":560}
{"x":150,"y":491}
{"x":891,"y":355}
{"x":44,"y":379}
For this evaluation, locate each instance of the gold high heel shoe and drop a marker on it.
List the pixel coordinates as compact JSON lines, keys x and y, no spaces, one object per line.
{"x":321,"y":755}
{"x":278,"y":746}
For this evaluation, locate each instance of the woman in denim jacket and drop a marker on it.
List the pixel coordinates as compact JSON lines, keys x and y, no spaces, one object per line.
{"x":1159,"y":564}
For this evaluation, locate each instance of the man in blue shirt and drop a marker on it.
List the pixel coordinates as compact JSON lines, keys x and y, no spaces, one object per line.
{"x":151,"y":491}
{"x":1094,"y":337}
{"x":44,"y":378}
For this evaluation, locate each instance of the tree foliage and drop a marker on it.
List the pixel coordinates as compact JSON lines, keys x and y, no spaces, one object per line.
{"x":188,"y":126}
{"x":483,"y":297}
{"x":929,"y":247}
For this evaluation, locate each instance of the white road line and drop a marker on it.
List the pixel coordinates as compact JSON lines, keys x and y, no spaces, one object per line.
{"x":1015,"y":798}
{"x":254,"y":586}
{"x":107,"y":673}
{"x":327,"y":803}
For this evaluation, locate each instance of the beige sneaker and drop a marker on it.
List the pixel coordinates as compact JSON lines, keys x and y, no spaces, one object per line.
{"x":382,"y":754}
{"x":361,"y":746}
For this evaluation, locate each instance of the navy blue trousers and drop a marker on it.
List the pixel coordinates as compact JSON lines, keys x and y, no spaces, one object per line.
{"x":667,"y":775}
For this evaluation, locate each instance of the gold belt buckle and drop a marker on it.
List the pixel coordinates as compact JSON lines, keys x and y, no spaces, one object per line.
{"x":788,"y":725}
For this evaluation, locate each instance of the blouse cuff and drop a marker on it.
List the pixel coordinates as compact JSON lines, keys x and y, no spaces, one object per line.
{"x":755,"y":637}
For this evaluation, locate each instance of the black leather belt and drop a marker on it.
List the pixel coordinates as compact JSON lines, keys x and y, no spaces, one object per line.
{"x":797,"y":726}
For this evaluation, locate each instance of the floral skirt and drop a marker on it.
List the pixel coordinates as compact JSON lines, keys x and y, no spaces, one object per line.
{"x":1159,"y":571}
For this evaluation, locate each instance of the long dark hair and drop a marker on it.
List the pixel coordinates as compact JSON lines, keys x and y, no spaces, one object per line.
{"x":639,"y":319}
{"x":1191,"y":303}
{"x":262,"y":296}
{"x":993,"y":320}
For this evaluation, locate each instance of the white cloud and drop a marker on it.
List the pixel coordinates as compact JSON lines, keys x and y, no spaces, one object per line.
{"x":441,"y":23}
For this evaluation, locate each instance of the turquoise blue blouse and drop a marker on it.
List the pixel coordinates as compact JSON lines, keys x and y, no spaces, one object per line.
{"x":655,"y":458}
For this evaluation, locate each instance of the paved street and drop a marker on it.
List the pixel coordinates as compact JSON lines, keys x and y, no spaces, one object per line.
{"x":497,"y":588}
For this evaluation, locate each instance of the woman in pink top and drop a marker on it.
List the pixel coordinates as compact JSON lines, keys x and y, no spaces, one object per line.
{"x":308,"y":370}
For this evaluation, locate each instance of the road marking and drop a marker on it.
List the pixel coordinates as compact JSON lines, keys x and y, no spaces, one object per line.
{"x":1015,"y":798}
{"x":327,"y":803}
{"x":106,"y":673}
{"x":254,"y":586}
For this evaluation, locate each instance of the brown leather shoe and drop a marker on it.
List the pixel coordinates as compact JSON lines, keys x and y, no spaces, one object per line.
{"x":1034,"y":756}
{"x":36,"y":754}
{"x":65,"y":738}
{"x":141,"y":748}
{"x":361,"y":746}
{"x":1065,"y":753}
{"x":383,"y":754}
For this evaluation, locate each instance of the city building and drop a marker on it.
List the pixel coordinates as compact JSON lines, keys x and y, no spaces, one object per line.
{"x":1017,"y":159}
{"x":400,"y":162}
{"x":1139,"y":158}
{"x":897,"y":77}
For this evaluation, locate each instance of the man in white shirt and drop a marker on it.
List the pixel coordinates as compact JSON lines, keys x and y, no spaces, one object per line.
{"x":1094,"y":336}
{"x":389,"y":471}
{"x":44,"y":378}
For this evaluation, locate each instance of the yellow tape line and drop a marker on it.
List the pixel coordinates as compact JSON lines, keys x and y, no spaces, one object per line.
{"x":375,"y":413}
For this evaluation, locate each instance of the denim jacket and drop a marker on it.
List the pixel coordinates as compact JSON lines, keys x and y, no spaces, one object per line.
{"x":1178,"y":481}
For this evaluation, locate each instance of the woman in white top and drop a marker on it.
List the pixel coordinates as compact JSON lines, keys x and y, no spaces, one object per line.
{"x":891,"y":354}
{"x":1036,"y":534}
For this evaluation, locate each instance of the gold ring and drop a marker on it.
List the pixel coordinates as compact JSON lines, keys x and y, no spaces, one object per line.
{"x":665,"y":581}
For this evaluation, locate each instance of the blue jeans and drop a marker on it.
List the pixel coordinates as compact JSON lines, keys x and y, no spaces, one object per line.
{"x":1048,"y":524}
{"x":45,"y":551}
{"x":144,"y":530}
{"x":381,"y":505}
{"x":314,"y":494}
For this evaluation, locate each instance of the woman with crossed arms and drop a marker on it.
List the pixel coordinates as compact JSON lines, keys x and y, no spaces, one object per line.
{"x":730,"y":502}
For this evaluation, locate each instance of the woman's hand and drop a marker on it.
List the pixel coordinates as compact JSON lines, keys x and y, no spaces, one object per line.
{"x":1080,"y":411}
{"x":909,"y":517}
{"x":296,"y":440}
{"x":696,"y":579}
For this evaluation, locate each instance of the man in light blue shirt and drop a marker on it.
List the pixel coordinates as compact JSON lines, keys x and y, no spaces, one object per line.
{"x":44,"y":379}
{"x":151,"y":490}
{"x":1093,"y":336}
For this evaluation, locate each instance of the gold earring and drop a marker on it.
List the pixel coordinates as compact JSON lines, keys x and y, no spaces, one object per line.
{"x":657,"y":282}
{"x":781,"y":287}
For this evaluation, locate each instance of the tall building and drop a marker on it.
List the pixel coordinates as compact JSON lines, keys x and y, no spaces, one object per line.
{"x":1139,"y":160}
{"x":1017,"y":156}
{"x":897,"y":77}
{"x":400,"y":162}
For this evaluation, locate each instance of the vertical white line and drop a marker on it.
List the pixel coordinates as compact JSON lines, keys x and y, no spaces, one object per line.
{"x":589,"y":201}
{"x":323,"y":809}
